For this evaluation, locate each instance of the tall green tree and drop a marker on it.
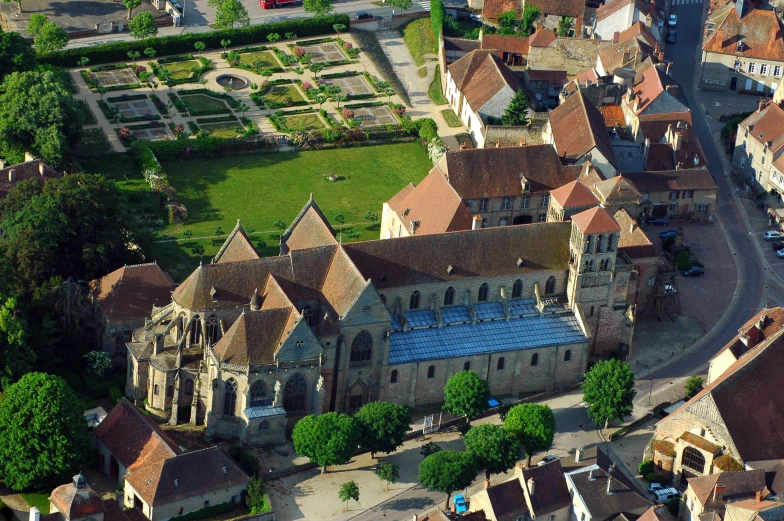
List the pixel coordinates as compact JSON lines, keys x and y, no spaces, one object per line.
{"x":517,"y":111}
{"x":229,"y":14}
{"x":327,"y":439}
{"x":494,"y":449}
{"x":16,"y":357}
{"x":465,"y":394}
{"x":37,"y":114}
{"x":43,"y":437}
{"x":400,"y":4}
{"x":529,"y":18}
{"x":446,"y":472}
{"x":534,"y":426}
{"x":256,"y":499}
{"x":564,"y":26}
{"x":16,"y":53}
{"x":131,"y":5}
{"x":318,"y":7}
{"x":348,"y":490}
{"x":143,"y":26}
{"x":609,"y":391}
{"x":388,"y":472}
{"x":35,"y":23}
{"x":50,"y":37}
{"x":693,"y":385}
{"x":383,"y":426}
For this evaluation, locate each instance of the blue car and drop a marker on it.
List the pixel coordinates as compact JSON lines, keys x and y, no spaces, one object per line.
{"x":668,"y":233}
{"x":460,"y":504}
{"x":659,"y":221}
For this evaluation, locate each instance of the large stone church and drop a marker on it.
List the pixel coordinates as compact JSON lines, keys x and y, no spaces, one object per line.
{"x":250,"y":345}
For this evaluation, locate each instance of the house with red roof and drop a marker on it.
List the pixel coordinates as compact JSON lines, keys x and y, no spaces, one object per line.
{"x":743,"y":53}
{"x":617,"y":16}
{"x":759,"y":148}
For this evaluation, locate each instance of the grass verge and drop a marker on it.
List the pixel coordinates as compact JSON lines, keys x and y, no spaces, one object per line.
{"x":435,"y":92}
{"x":419,"y":39}
{"x":368,"y":42}
{"x":451,"y":118}
{"x":40,"y":500}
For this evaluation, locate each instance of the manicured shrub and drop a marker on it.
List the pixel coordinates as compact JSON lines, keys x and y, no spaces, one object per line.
{"x":645,"y":468}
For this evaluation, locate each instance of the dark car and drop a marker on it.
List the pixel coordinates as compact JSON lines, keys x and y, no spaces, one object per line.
{"x":694,"y":271}
{"x":671,"y":36}
{"x":659,"y":221}
{"x":362,"y":15}
{"x":777,"y":245}
{"x":668,"y":233}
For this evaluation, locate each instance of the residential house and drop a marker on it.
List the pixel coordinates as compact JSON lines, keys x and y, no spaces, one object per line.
{"x":645,"y":257}
{"x":433,"y":206}
{"x":678,"y":148}
{"x":630,"y":53}
{"x":546,"y":85}
{"x":755,"y":509}
{"x":676,"y":193}
{"x":716,"y":429}
{"x":655,"y":100}
{"x":125,"y":297}
{"x":577,"y":131}
{"x":601,"y":492}
{"x":513,"y":136}
{"x":616,"y":16}
{"x":77,"y":501}
{"x":534,"y":493}
{"x":546,"y":51}
{"x":614,"y":193}
{"x":758,"y":149}
{"x":513,"y":50}
{"x":714,"y":492}
{"x":743,"y":53}
{"x":31,"y":168}
{"x":550,"y":12}
{"x":479,"y":87}
{"x":452,"y":49}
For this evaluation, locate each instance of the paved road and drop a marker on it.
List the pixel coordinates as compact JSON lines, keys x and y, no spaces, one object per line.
{"x":756,"y":287}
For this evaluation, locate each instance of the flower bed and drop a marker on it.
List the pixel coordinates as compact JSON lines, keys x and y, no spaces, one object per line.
{"x":215,"y":120}
{"x":233,"y":103}
{"x":126,"y":97}
{"x":183,"y":69}
{"x":178,"y":103}
{"x":160,"y":105}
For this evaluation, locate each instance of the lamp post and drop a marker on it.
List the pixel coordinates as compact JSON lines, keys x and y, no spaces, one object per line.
{"x":650,"y":391}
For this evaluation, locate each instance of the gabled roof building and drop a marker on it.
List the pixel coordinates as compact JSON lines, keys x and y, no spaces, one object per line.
{"x":759,"y":148}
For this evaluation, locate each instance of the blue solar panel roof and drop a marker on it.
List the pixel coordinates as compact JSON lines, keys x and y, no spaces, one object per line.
{"x":396,"y":322}
{"x":522,"y":307}
{"x":483,"y":337}
{"x":263,"y":412}
{"x":421,"y":318}
{"x":489,"y":310}
{"x":455,"y":314}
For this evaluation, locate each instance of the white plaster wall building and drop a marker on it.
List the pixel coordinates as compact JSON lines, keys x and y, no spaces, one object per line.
{"x":617,"y":16}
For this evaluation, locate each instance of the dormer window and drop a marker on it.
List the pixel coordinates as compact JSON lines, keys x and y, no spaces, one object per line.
{"x":526,"y":185}
{"x":214,"y":294}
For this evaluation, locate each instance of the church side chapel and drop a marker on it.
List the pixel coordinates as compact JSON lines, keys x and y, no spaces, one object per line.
{"x":250,"y":345}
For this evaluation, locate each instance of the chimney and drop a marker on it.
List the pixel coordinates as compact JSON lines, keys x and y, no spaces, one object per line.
{"x":718,"y":492}
{"x":41,"y":168}
{"x":761,"y":322}
{"x":762,"y":104}
{"x":667,"y":68}
{"x":677,"y":138}
{"x":609,"y":483}
{"x":632,"y":226}
{"x":678,"y":166}
{"x":578,"y":454}
{"x":522,"y":141}
{"x":758,"y":496}
{"x":29,"y":157}
{"x":672,"y":89}
{"x":590,"y":475}
{"x":498,"y":143}
{"x":645,"y":151}
{"x":477,"y":222}
{"x":35,"y":514}
{"x":462,"y":145}
{"x":12,"y":175}
{"x":531,"y":486}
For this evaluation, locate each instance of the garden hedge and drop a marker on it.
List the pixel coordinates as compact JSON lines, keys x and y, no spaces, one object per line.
{"x":183,"y":43}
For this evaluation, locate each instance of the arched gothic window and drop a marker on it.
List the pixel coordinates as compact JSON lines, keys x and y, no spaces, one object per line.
{"x":693,"y":459}
{"x":517,"y":289}
{"x":188,"y":387}
{"x":567,"y":355}
{"x":535,"y":359}
{"x":431,"y":371}
{"x":393,"y":377}
{"x":213,"y":330}
{"x":449,"y":296}
{"x":549,"y":286}
{"x":413,"y":302}
{"x":361,"y":348}
{"x":501,"y":364}
{"x":258,"y":393}
{"x":307,"y":314}
{"x":196,"y":330}
{"x":230,"y":397}
{"x":295,"y":393}
{"x":484,"y":290}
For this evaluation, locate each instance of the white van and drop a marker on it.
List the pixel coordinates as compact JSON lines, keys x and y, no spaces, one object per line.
{"x":665,"y":494}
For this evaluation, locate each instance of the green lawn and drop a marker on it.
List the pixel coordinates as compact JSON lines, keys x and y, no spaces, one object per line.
{"x":304,"y":122}
{"x":419,"y":39}
{"x":223,"y":129}
{"x":260,"y":59}
{"x":204,"y":104}
{"x":435,"y":92}
{"x":37,"y":499}
{"x":451,"y":118}
{"x":181,"y":70}
{"x":278,"y":92}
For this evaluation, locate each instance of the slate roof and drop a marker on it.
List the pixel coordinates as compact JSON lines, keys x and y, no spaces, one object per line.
{"x":574,"y":194}
{"x":130,"y":292}
{"x":434,"y":205}
{"x":570,"y":8}
{"x":425,"y":259}
{"x":759,"y":30}
{"x":595,"y":220}
{"x":550,"y":490}
{"x":480,"y":75}
{"x":668,"y":180}
{"x":236,"y":248}
{"x":34,"y":169}
{"x":633,"y":241}
{"x":766,"y":126}
{"x":510,"y":44}
{"x":737,"y":485}
{"x":134,"y":438}
{"x":496,"y":172}
{"x":254,"y":338}
{"x":188,"y":475}
{"x":651,"y":89}
{"x":577,"y":127}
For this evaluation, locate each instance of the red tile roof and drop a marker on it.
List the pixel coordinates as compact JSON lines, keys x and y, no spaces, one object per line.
{"x":555,"y":78}
{"x":542,"y":38}
{"x":668,"y":180}
{"x":480,"y":75}
{"x":638,"y":29}
{"x":510,"y":44}
{"x":570,"y":8}
{"x":589,"y":76}
{"x":34,"y":169}
{"x":595,"y":220}
{"x":736,"y":485}
{"x":434,"y":205}
{"x":237,"y":247}
{"x":633,"y":241}
{"x":613,"y":115}
{"x":766,"y":126}
{"x":309,"y":228}
{"x":574,"y":194}
{"x":578,"y":127}
{"x":130,"y":292}
{"x":650,"y":85}
{"x":493,"y":8}
{"x":760,"y":32}
{"x":77,"y":499}
{"x":615,"y":5}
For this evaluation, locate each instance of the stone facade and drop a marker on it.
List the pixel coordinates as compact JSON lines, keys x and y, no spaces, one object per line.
{"x":184,"y":506}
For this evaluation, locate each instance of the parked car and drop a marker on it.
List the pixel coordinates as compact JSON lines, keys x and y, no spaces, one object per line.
{"x":780,"y":254}
{"x":668,"y":233}
{"x":774,"y":236}
{"x":653,"y":487}
{"x":362,"y":15}
{"x":659,"y":221}
{"x":666,"y":494}
{"x":777,"y":245}
{"x":672,"y":21}
{"x":460,"y":504}
{"x":671,"y":36}
{"x":547,"y":459}
{"x":694,"y":271}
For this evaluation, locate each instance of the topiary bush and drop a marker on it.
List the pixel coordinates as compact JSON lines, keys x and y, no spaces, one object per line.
{"x":683,"y":260}
{"x":645,"y":468}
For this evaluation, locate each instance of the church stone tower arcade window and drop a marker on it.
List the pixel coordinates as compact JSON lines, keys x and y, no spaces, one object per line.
{"x":517,"y":289}
{"x":258,"y":394}
{"x":213,"y":330}
{"x":361,"y":348}
{"x":295,"y":393}
{"x":549,"y":286}
{"x":230,"y":397}
{"x":195,"y":330}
